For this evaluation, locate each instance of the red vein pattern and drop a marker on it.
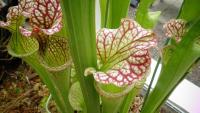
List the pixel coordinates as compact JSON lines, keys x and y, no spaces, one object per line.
{"x":13,"y":15}
{"x":127,"y":71}
{"x":45,"y":20}
{"x":123,"y":53}
{"x":56,"y":57}
{"x":46,"y":16}
{"x":175,"y":28}
{"x":24,"y":8}
{"x":27,"y":7}
{"x":129,"y":38}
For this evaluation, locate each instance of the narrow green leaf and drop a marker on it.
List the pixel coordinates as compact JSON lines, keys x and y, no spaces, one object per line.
{"x":117,"y":9}
{"x":173,"y":72}
{"x":174,"y":76}
{"x":104,"y":9}
{"x":79,"y":17}
{"x":190,"y":10}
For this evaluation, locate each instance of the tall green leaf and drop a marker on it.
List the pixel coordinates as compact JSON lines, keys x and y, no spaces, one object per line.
{"x":174,"y":70}
{"x":179,"y":62}
{"x":190,"y":10}
{"x":104,"y":9}
{"x":79,"y":19}
{"x":116,"y":10}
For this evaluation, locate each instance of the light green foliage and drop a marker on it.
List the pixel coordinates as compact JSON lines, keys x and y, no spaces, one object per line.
{"x":190,"y":11}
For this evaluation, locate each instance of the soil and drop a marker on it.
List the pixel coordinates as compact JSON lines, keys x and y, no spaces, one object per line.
{"x":22,"y":91}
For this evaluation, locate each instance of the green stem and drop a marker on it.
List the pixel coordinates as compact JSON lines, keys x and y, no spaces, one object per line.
{"x":56,"y":82}
{"x":111,"y":105}
{"x":79,"y":17}
{"x":112,"y":11}
{"x":47,"y":104}
{"x":106,"y":14}
{"x":118,"y":9}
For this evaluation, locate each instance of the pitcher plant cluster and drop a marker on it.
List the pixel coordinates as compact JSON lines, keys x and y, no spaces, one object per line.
{"x":46,"y":36}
